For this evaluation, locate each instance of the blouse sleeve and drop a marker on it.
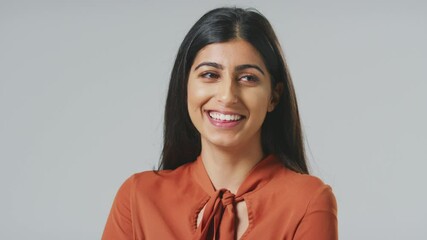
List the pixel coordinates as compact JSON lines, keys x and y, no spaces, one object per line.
{"x":119,"y":222}
{"x":320,"y":221}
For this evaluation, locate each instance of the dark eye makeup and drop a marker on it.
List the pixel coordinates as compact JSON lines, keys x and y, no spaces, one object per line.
{"x":209,"y":75}
{"x":249,"y":78}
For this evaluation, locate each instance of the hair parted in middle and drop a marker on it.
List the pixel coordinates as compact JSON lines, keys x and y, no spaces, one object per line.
{"x":281,"y":132}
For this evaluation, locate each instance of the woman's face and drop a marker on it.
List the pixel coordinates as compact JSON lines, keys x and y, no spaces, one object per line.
{"x":229,"y":94}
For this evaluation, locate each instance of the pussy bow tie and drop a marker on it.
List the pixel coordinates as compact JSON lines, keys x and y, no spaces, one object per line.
{"x":219,"y":217}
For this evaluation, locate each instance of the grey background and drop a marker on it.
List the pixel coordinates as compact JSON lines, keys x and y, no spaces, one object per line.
{"x":83,"y":84}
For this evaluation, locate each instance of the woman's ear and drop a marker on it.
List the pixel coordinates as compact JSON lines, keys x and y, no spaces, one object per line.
{"x":275,"y":96}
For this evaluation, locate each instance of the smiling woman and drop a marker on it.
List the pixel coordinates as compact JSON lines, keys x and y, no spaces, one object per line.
{"x":233,"y":162}
{"x":229,"y":95}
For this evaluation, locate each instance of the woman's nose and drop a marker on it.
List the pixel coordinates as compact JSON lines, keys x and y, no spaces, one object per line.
{"x":227,"y":92}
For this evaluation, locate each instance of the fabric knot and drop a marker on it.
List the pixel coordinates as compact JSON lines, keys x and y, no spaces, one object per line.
{"x":227,"y":197}
{"x":219,"y":217}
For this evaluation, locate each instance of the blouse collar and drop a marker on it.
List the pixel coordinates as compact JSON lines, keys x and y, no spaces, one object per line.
{"x":259,"y":175}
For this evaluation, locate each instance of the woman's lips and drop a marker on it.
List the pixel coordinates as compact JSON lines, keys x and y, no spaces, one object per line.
{"x":224,"y":119}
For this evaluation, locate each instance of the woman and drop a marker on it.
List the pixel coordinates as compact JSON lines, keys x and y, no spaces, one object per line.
{"x":233,"y":162}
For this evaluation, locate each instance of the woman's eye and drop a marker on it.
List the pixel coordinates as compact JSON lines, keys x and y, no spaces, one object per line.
{"x":210,"y":75}
{"x":249,"y":78}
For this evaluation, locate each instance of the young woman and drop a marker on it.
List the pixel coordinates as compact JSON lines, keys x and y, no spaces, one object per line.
{"x":233,"y":163}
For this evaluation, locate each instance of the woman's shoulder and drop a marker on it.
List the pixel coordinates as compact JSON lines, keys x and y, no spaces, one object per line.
{"x":160,"y":178}
{"x":306,"y":189}
{"x":301,"y":181}
{"x":311,"y":203}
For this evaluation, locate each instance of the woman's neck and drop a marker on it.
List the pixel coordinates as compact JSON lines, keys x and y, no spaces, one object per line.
{"x":228,"y":167}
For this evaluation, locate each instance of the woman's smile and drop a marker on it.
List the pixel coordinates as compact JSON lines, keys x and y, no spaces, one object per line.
{"x":224,"y":119}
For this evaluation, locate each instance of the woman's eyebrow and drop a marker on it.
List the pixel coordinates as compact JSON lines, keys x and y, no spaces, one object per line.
{"x":237,"y":68}
{"x":246,"y":66}
{"x":210,"y":64}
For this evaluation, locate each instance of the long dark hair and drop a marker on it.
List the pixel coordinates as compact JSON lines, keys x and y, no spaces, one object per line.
{"x":281,"y":131}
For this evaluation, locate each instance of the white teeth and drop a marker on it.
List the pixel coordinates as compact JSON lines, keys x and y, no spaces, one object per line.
{"x":224,"y":117}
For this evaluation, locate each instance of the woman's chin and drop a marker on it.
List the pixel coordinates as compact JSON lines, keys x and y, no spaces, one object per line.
{"x":220,"y":142}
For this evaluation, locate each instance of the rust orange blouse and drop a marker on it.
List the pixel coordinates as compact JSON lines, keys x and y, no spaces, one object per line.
{"x":281,"y":204}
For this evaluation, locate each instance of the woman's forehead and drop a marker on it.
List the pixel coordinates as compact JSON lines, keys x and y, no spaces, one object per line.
{"x":231,"y":53}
